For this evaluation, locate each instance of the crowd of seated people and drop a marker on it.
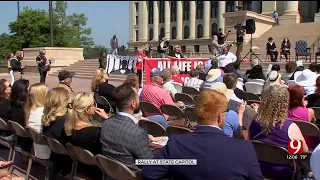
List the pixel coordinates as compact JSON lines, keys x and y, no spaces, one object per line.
{"x":75,"y":118}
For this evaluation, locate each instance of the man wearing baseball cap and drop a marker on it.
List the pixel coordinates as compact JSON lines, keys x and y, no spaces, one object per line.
{"x":154,"y":93}
{"x":65,"y":80}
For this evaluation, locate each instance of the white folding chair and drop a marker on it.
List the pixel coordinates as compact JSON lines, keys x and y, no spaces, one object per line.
{"x":240,"y":85}
{"x":291,"y":83}
{"x":240,"y":80}
{"x":253,"y":87}
{"x":257,"y":80}
{"x":178,"y":87}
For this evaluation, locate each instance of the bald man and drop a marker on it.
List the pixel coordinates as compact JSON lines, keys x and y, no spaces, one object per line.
{"x":215,"y":46}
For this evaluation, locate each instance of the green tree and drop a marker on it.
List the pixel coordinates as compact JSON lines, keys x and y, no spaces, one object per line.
{"x":35,"y":28}
{"x":93,"y":52}
{"x":123,"y":51}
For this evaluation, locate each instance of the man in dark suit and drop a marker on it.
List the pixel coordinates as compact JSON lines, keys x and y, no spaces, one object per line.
{"x":218,"y":156}
{"x":271,"y":49}
{"x":121,"y":138}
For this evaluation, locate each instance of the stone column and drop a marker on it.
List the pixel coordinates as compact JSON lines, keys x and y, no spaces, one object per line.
{"x":236,"y":3}
{"x":290,"y":7}
{"x":268,"y":7}
{"x":255,"y":6}
{"x":143,"y":21}
{"x":132,"y":15}
{"x":155,"y":21}
{"x":192,"y":19}
{"x":179,"y":20}
{"x":206,"y":19}
{"x":221,"y":11}
{"x":167,"y":19}
{"x":290,"y":13}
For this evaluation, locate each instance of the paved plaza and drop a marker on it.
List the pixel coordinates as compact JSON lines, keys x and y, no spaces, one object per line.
{"x":78,"y":84}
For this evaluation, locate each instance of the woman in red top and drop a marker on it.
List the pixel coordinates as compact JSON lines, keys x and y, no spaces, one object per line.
{"x":139,"y":63}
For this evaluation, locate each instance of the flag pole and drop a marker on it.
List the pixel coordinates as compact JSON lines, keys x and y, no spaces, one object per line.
{"x":19,"y":21}
{"x":51,"y":22}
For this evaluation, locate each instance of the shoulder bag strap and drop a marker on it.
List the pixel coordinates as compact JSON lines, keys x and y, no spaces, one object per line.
{"x":261,"y":132}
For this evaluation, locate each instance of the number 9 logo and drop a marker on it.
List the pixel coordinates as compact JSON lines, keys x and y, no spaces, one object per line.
{"x":295,"y":147}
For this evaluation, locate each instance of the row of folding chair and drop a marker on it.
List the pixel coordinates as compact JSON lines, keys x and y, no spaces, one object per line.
{"x":171,"y":110}
{"x":109,"y":167}
{"x":157,"y":130}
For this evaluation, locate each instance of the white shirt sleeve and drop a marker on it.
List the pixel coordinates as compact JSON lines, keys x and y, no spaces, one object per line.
{"x":233,"y":57}
{"x":139,"y":59}
{"x":162,"y":44}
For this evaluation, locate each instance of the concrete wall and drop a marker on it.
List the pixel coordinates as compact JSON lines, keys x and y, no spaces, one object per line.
{"x":63,"y":57}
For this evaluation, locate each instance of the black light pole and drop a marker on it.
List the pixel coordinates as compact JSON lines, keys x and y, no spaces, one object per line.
{"x":51,"y":22}
{"x":19,"y":20}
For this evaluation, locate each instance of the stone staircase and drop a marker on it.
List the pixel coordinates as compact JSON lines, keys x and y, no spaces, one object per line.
{"x":86,"y":68}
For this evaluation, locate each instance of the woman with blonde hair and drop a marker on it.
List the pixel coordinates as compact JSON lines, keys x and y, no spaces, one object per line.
{"x":8,"y":58}
{"x":82,"y":129}
{"x":274,"y":128}
{"x":54,"y":113}
{"x":100,"y":85}
{"x":34,"y":111}
{"x":53,"y":119}
{"x":35,"y":104}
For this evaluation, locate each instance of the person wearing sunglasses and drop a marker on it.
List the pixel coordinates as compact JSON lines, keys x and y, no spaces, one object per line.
{"x":80,"y":126}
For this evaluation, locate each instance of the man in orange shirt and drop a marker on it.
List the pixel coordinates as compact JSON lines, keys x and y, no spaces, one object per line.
{"x":139,"y":63}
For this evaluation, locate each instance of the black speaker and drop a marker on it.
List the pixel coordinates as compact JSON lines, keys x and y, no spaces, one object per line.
{"x":250,"y":26}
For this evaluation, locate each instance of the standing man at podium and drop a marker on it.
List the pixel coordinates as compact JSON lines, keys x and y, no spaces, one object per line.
{"x":114,"y":45}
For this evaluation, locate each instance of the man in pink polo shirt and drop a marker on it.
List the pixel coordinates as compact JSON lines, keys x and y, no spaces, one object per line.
{"x":154,"y":93}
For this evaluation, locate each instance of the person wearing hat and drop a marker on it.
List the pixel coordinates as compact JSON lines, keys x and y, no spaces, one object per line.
{"x":306,"y":79}
{"x":155,"y":94}
{"x":214,"y":75}
{"x":233,"y":119}
{"x":274,"y":78}
{"x":271,"y":49}
{"x":65,"y":80}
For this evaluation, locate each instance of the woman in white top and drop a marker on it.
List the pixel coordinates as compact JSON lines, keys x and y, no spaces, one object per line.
{"x":34,"y":111}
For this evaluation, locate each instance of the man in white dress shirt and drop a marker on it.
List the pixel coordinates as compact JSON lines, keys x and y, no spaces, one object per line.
{"x":226,"y":58}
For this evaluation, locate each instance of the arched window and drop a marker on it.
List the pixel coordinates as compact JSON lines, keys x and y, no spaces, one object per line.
{"x":173,"y":32}
{"x":161,"y":33}
{"x":199,"y":31}
{"x":214,"y":29}
{"x":150,"y":34}
{"x":186,"y":32}
{"x":137,"y":35}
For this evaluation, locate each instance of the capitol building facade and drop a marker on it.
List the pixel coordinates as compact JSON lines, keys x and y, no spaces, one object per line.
{"x":191,"y":24}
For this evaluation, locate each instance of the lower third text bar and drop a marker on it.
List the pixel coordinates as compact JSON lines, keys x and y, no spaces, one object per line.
{"x":166,"y":162}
